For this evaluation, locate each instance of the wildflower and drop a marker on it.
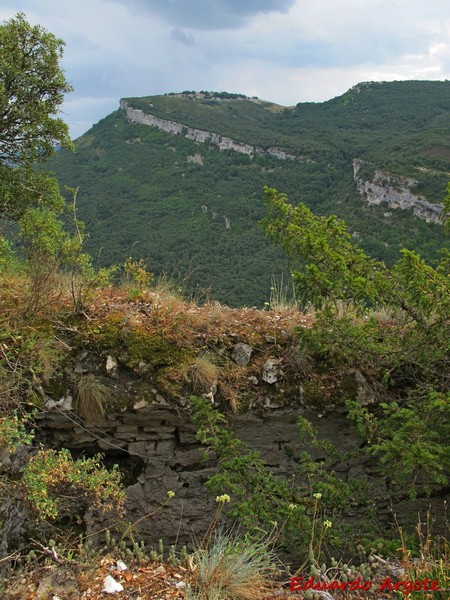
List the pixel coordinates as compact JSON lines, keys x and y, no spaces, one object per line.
{"x":171,"y":494}
{"x":274,"y":523}
{"x":317,"y":496}
{"x":223,"y":498}
{"x":292,"y":506}
{"x":327,"y":524}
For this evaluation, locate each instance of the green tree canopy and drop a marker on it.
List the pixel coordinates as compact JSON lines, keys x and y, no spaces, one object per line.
{"x":32,"y":88}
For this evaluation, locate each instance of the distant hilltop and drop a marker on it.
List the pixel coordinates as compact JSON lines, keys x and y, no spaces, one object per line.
{"x":178,"y":179}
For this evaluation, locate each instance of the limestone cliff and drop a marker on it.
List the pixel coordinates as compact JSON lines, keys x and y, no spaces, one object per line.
{"x":395,"y":191}
{"x":135,"y":115}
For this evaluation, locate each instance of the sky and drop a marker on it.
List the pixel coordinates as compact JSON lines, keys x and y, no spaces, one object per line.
{"x":284,"y":51}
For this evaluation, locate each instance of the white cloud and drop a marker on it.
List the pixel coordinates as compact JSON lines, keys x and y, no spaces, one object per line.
{"x":309,"y":50}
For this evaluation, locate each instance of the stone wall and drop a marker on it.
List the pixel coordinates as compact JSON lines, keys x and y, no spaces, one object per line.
{"x":156,"y":450}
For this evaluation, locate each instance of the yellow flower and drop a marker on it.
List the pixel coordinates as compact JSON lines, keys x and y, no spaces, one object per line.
{"x":171,"y":494}
{"x":292,"y":506}
{"x":317,"y":496}
{"x":223,"y":498}
{"x":327,"y":524}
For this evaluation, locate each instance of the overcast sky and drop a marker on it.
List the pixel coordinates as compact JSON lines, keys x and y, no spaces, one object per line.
{"x":285,"y":51}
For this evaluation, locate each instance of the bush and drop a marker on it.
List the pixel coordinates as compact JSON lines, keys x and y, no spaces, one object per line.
{"x":56,"y":485}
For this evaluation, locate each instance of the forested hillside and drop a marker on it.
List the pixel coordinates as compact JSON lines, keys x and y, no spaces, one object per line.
{"x":191,"y":209}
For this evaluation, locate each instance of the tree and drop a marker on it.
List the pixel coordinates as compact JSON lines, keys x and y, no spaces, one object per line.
{"x":390,"y":326}
{"x":32,"y":88}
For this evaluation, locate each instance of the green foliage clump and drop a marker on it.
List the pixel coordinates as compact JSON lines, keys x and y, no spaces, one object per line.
{"x":13,"y":433}
{"x":136,"y":271}
{"x":262,"y":502}
{"x":400,"y":356}
{"x":259,"y":498}
{"x":56,"y":485}
{"x":32,"y":90}
{"x":412,"y":436}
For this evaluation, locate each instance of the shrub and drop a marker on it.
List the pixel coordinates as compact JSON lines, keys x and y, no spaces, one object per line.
{"x":56,"y":485}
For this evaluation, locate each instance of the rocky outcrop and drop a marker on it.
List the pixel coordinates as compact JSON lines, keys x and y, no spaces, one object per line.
{"x":155,"y":447}
{"x":395,"y":191}
{"x":136,"y":115}
{"x":153,"y":440}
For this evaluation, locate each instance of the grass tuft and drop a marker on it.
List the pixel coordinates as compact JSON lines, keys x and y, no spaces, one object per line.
{"x":92,"y":398}
{"x":230,"y":568}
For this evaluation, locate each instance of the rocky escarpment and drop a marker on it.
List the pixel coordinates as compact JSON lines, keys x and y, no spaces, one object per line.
{"x":136,"y":115}
{"x":155,"y":446}
{"x":395,"y":191}
{"x":157,"y":451}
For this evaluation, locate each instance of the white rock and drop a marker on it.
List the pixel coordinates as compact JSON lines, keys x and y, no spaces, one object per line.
{"x":111,"y":586}
{"x":140,"y":404}
{"x":121,"y":566}
{"x":111,"y":363}
{"x":271,"y":371}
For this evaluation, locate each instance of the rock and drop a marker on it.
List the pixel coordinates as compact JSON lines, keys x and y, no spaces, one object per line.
{"x":271,"y":371}
{"x":66,"y":402}
{"x":364,"y":394}
{"x":270,"y":339}
{"x":253,"y":380}
{"x":269,"y":403}
{"x":394,"y":190}
{"x":111,"y":364}
{"x":111,"y":586}
{"x":242,"y":353}
{"x":140,"y":404}
{"x":161,"y":400}
{"x":121,"y":566}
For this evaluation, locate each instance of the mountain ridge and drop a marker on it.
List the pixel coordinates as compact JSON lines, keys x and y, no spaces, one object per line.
{"x":186,"y":206}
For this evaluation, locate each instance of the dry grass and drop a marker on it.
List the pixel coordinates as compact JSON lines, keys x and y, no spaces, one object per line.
{"x":92,"y":398}
{"x":231,"y":569}
{"x":202,"y":374}
{"x":282,"y":295}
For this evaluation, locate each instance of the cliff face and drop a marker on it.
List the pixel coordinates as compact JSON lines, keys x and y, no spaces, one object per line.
{"x":395,"y":191}
{"x":155,"y":447}
{"x":135,"y":115}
